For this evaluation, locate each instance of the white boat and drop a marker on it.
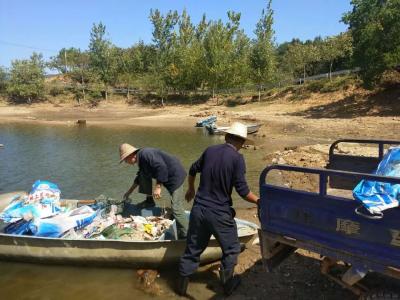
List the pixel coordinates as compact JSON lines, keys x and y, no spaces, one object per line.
{"x":214,"y":129}
{"x":106,"y":252}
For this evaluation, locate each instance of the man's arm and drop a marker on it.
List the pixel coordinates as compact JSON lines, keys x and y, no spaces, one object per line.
{"x":241,"y":184}
{"x":157,"y":190}
{"x":131,"y":189}
{"x":190,"y":192}
{"x":194,"y":169}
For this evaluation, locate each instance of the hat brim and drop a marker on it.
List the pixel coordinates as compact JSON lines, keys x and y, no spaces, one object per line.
{"x":247,"y":141}
{"x":127,"y":154}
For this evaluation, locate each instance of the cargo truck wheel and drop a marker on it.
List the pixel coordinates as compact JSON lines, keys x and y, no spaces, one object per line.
{"x":383,"y":295}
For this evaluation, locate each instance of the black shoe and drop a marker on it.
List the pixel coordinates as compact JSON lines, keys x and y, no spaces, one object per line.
{"x":229,"y":281}
{"x":231,"y":285}
{"x":183,"y":283}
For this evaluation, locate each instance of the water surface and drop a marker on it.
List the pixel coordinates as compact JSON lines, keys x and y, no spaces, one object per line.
{"x":83,"y":161}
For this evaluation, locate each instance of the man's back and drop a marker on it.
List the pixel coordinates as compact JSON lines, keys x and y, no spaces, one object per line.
{"x":162,"y":166}
{"x":221,"y":168}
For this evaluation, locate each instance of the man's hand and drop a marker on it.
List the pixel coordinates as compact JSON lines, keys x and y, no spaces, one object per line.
{"x":157,"y":192}
{"x":252,"y":198}
{"x":189,"y":195}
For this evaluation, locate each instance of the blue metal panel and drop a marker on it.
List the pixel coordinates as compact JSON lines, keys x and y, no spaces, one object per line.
{"x":329,"y":224}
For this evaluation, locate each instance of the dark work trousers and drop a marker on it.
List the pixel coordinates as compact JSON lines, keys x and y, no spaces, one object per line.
{"x":178,"y":210}
{"x":145,"y":184}
{"x":203,"y":223}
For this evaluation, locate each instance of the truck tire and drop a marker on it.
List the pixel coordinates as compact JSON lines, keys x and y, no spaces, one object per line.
{"x":383,"y":295}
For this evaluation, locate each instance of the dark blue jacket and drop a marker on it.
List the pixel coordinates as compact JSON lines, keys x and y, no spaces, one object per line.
{"x":163,"y":167}
{"x":222,"y":167}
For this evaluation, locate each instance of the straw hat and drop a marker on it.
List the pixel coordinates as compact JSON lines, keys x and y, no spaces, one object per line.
{"x":125,"y":150}
{"x":240,"y":130}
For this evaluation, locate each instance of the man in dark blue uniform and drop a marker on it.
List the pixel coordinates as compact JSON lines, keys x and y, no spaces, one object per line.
{"x":166,"y":170}
{"x":221,"y":168}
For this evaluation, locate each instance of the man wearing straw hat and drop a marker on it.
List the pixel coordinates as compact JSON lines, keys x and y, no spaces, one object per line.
{"x":166,"y":170}
{"x":221,"y":168}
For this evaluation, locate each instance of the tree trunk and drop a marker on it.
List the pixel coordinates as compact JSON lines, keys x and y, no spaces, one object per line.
{"x":162,"y":97}
{"x":330,"y":71}
{"x":83,"y":89}
{"x":259,"y":93}
{"x":304,"y":74}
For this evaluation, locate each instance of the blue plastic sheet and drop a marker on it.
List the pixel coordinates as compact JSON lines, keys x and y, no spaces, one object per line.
{"x":378,"y":196}
{"x":19,"y":227}
{"x":43,"y":201}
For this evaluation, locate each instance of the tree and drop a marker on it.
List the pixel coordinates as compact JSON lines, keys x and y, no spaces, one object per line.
{"x":164,"y":38}
{"x":375,"y":28}
{"x":220,"y":52}
{"x":262,"y":58}
{"x":298,"y":56}
{"x":186,"y":67}
{"x":334,"y":48}
{"x":74,"y":64}
{"x":4,"y":77}
{"x":27,"y":79}
{"x":63,"y":61}
{"x":239,"y":65}
{"x":103,"y":56}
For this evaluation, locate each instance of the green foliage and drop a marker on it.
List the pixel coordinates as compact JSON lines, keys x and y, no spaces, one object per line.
{"x":299,"y":56}
{"x":262,"y":57}
{"x":334,"y":48}
{"x":55,"y":90}
{"x":375,"y":28}
{"x":75,"y":64}
{"x":226,"y":53}
{"x":213,"y":56}
{"x":103,"y":56}
{"x":4,"y":78}
{"x":164,"y":38}
{"x":27,"y":79}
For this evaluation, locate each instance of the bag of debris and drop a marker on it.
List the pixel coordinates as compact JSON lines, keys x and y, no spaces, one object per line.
{"x":59,"y":224}
{"x":377,"y":196}
{"x":20,"y":209}
{"x":44,"y":191}
{"x":43,"y":201}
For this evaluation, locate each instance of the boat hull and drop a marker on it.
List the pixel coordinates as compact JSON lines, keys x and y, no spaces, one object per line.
{"x":113,"y":253}
{"x":101,"y":252}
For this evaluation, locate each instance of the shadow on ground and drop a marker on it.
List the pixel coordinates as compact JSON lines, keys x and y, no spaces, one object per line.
{"x":298,"y":277}
{"x":381,"y":103}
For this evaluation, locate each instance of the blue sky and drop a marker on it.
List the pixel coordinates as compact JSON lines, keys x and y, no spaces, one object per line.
{"x":51,"y":25}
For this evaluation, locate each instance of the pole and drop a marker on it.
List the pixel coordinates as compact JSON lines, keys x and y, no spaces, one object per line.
{"x":65,"y":60}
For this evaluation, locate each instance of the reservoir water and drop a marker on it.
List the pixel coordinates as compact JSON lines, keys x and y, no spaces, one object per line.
{"x":84,"y":162}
